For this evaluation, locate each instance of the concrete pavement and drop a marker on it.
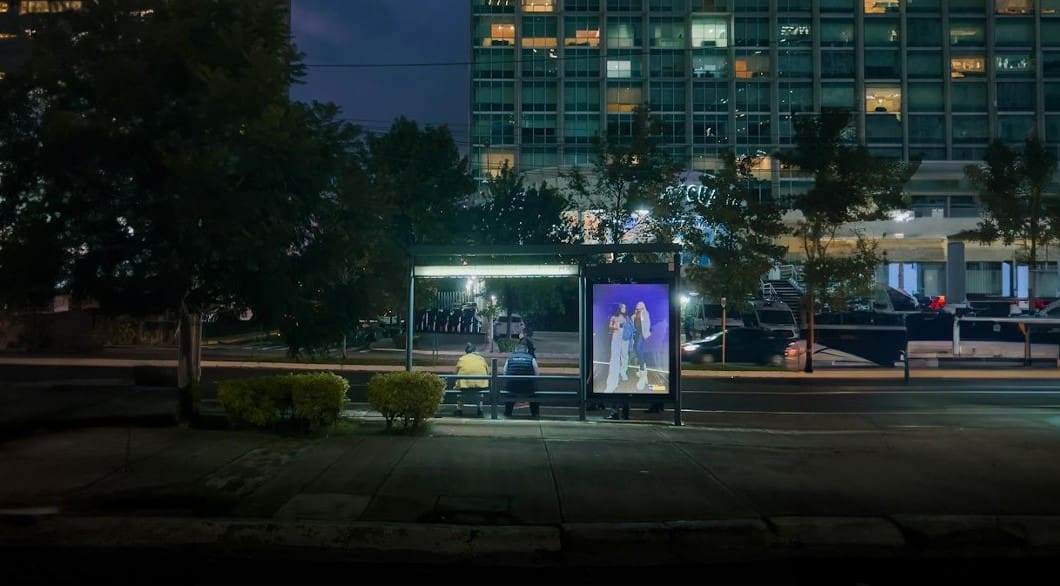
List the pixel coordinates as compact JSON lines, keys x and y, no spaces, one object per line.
{"x":545,"y":492}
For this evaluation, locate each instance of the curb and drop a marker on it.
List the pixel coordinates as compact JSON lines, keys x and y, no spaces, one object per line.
{"x":687,"y":542}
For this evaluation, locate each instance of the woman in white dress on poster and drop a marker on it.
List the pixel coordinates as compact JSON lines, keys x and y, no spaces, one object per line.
{"x":615,"y":325}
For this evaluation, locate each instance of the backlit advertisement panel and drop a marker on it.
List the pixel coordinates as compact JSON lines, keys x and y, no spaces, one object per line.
{"x":631,"y":339}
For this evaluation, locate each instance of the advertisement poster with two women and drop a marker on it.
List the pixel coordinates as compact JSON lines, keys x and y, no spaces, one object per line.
{"x":630,"y":330}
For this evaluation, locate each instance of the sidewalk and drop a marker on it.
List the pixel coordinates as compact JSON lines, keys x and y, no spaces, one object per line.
{"x":540,"y":492}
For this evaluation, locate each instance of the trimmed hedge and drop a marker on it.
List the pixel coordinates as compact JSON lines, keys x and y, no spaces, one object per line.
{"x":411,"y":396}
{"x":315,"y":398}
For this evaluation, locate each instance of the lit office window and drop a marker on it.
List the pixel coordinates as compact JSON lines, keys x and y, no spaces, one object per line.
{"x":751,"y":64}
{"x":1014,"y":6}
{"x":44,"y":6}
{"x":710,"y":32}
{"x":619,"y":68}
{"x":633,"y":57}
{"x":882,"y":6}
{"x":1014,"y":64}
{"x":539,"y":5}
{"x":883,"y":98}
{"x":963,"y":65}
{"x":1049,"y":7}
{"x":581,"y":31}
{"x":796,"y":32}
{"x":623,"y":98}
{"x":493,"y":31}
{"x":492,"y":6}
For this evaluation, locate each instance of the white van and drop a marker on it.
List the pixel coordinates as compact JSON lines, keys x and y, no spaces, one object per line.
{"x":500,"y":326}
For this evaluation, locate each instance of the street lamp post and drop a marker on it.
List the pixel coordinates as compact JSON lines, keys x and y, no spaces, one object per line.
{"x":723,"y":316}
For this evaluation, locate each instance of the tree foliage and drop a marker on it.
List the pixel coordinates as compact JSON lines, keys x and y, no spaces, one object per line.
{"x":162,"y":151}
{"x":1012,"y":187}
{"x":628,"y":175}
{"x":738,"y":233}
{"x":514,"y":214}
{"x":850,"y":185}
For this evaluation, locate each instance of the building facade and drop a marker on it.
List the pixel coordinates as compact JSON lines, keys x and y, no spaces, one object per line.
{"x":18,"y":19}
{"x":934,"y":80}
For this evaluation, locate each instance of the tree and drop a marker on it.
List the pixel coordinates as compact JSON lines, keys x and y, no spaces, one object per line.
{"x":849,"y":185}
{"x":629,"y":176}
{"x":513,"y":214}
{"x":420,"y":188}
{"x":1012,"y":187}
{"x":738,"y":233}
{"x":162,"y":150}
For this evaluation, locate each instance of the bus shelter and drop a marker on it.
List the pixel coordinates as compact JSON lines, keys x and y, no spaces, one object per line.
{"x":628,"y":313}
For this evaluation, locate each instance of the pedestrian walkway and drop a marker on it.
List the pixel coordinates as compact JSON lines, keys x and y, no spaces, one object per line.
{"x":554,"y":492}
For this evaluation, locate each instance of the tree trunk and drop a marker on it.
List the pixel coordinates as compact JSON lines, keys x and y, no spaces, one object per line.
{"x":809,"y":334}
{"x":189,"y":362}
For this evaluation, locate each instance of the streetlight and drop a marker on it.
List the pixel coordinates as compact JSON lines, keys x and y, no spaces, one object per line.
{"x":723,"y":331}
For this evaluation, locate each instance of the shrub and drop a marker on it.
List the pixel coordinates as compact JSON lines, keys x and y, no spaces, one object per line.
{"x":507,"y":344}
{"x":319,"y":397}
{"x":411,"y":396}
{"x":316,"y":398}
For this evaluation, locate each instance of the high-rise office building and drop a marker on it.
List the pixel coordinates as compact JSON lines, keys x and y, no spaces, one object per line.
{"x":934,"y":80}
{"x":18,"y":19}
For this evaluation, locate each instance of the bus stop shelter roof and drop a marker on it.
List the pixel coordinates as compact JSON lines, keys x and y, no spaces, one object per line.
{"x":539,"y":249}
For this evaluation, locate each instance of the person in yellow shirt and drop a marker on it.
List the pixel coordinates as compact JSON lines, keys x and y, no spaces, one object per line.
{"x":471,"y":389}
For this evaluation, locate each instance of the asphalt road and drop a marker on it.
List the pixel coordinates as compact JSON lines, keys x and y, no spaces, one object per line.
{"x":807,"y":403}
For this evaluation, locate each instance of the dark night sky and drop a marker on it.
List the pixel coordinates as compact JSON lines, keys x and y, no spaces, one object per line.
{"x":387,"y":31}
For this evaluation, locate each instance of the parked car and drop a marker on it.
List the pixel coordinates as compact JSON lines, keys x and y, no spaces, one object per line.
{"x":500,"y":326}
{"x":757,"y":345}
